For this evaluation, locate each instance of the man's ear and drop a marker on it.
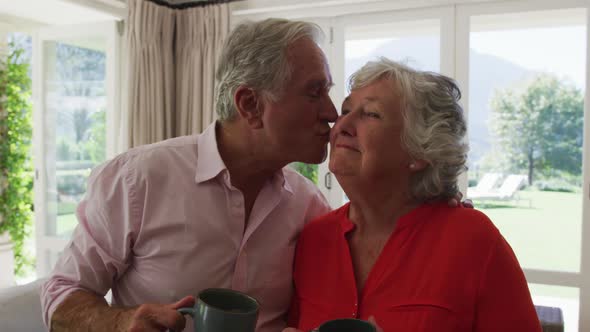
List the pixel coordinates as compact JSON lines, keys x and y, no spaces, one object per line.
{"x":249,"y":106}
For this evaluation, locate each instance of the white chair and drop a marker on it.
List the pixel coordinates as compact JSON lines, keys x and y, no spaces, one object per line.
{"x":507,"y":191}
{"x":485,"y":185}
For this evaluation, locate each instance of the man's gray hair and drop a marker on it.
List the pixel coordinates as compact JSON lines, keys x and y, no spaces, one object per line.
{"x":434,"y":126}
{"x":255,"y":55}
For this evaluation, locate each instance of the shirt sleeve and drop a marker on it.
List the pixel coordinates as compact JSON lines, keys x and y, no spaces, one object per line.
{"x":504,"y":301}
{"x":101,"y":245}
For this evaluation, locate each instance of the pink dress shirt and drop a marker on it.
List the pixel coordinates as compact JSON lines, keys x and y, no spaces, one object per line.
{"x":163,"y":221}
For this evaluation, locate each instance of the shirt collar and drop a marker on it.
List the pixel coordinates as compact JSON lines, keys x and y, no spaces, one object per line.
{"x":416,"y":215}
{"x":281,"y":180}
{"x":209,"y":162}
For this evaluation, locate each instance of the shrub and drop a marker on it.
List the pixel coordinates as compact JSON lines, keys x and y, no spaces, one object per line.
{"x":16,"y":197}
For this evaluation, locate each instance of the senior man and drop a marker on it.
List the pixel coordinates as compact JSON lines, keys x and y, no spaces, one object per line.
{"x":219,"y":209}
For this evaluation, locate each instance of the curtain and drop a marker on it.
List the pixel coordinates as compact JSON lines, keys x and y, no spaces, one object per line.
{"x":172,"y":54}
{"x":200,"y":35}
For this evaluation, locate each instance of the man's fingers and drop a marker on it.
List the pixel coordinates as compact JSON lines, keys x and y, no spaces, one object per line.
{"x":170,"y":319}
{"x":160,"y":317}
{"x":187,"y":301}
{"x":468,"y":204}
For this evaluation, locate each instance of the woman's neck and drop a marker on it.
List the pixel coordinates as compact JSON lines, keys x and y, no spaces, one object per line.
{"x":376,"y":208}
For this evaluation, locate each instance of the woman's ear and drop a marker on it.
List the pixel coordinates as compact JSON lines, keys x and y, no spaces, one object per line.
{"x":417,"y":165}
{"x":249,"y":106}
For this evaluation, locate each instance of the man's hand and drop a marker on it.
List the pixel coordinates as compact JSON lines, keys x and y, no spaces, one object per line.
{"x":156,"y":317}
{"x":85,"y":311}
{"x":455,"y":201}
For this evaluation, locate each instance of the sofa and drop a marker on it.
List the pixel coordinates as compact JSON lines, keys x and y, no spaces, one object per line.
{"x":20,"y":308}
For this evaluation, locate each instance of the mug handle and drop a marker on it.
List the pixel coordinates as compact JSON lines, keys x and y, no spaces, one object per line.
{"x":187,"y":311}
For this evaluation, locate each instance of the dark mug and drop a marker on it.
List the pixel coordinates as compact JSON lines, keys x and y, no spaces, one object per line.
{"x":221,"y":310}
{"x":346,"y":325}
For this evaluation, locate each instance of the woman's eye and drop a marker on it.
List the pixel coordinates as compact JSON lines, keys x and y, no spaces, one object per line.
{"x":372,"y":115}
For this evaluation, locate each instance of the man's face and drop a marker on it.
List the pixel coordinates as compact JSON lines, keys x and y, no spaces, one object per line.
{"x":297,"y":124}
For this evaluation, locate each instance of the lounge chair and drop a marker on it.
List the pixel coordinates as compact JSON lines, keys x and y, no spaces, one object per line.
{"x":506,"y":192}
{"x":485,"y":185}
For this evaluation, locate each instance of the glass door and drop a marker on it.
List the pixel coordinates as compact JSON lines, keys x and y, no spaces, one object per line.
{"x":524,"y":67}
{"x":75,"y":98}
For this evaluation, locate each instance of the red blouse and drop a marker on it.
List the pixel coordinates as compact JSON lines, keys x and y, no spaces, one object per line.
{"x":442,"y":269}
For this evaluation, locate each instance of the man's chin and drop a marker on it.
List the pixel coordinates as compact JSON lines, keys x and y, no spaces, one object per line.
{"x":318,"y":157}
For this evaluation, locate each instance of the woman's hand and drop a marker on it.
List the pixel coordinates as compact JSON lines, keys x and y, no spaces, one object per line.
{"x":291,"y":329}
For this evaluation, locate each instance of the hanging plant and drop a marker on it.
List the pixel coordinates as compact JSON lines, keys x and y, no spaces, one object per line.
{"x":16,"y":180}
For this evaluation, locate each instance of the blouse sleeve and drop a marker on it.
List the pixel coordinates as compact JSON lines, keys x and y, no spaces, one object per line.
{"x":504,"y":302}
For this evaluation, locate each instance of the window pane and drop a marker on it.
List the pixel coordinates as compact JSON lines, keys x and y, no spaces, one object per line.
{"x":75,"y":104}
{"x":526,"y":91}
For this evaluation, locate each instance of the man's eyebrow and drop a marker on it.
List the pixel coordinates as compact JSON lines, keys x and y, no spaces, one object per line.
{"x":321,"y":83}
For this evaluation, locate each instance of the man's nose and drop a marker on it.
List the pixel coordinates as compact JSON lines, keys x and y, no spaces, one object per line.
{"x":328,"y":111}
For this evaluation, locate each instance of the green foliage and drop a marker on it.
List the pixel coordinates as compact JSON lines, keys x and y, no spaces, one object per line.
{"x":15,"y":165}
{"x":96,"y":144}
{"x":540,"y":129}
{"x":310,"y":171}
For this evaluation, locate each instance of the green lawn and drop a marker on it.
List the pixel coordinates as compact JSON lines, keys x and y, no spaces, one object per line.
{"x":546,"y":235}
{"x":66,"y":224}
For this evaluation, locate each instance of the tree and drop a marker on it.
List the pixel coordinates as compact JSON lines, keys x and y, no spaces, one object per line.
{"x":541,"y":127}
{"x":96,"y":144}
{"x":310,"y":171}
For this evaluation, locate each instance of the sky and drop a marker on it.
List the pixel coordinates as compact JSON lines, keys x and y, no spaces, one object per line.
{"x":561,"y":51}
{"x":558,"y":50}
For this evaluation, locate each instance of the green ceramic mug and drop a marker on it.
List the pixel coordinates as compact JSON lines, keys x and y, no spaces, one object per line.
{"x":222,"y":310}
{"x":346,"y":325}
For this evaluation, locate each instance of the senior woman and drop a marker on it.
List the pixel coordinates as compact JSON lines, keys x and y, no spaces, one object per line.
{"x":398,"y":251}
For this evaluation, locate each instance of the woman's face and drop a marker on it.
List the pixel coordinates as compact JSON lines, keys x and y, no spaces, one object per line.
{"x":366,"y":139}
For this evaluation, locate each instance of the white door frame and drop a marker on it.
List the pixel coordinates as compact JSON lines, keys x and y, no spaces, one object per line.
{"x":108,"y":30}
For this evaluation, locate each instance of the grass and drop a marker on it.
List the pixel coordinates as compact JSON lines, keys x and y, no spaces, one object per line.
{"x":66,"y":224}
{"x":545,"y":235}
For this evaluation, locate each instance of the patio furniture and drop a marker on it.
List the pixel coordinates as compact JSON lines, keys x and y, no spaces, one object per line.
{"x":551,"y":318}
{"x":506,"y":192}
{"x":485,"y":185}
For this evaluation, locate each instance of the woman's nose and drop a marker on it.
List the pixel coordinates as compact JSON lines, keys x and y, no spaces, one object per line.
{"x":346,"y":124}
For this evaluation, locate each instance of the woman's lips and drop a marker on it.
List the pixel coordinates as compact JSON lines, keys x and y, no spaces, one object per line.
{"x":346,"y":146}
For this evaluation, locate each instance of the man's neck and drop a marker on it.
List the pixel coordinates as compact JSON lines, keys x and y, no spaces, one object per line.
{"x":244,"y":156}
